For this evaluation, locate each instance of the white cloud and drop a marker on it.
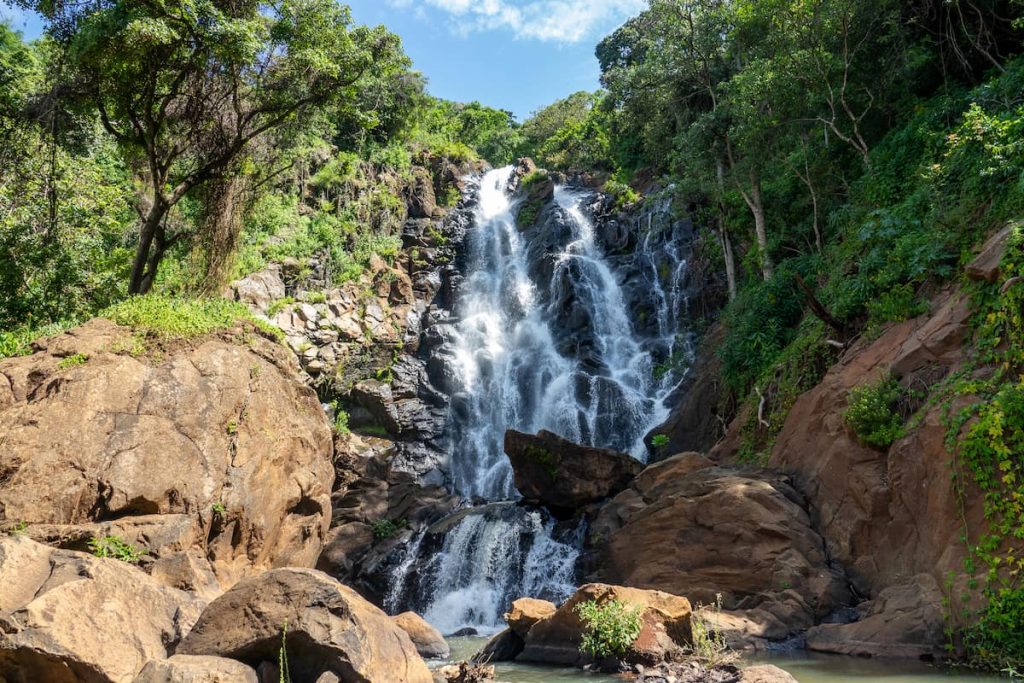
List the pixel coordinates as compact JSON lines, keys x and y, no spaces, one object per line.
{"x":563,"y":21}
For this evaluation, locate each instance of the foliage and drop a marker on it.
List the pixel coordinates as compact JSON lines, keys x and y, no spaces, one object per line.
{"x":117,"y":548}
{"x":873,"y":413}
{"x":659,"y":441}
{"x":611,"y":627}
{"x":73,"y":361}
{"x":386,"y":528}
{"x":709,"y":645}
{"x":170,"y":318}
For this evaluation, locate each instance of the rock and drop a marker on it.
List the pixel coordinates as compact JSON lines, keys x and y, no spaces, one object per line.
{"x":329,"y":629}
{"x":766,"y":673}
{"x":428,"y":640}
{"x":526,"y":612}
{"x":216,"y":446}
{"x":903,"y":621}
{"x":69,"y":617}
{"x":986,"y":265}
{"x":259,"y":290}
{"x":464,"y":672}
{"x":664,"y":633}
{"x":186,"y":669}
{"x":420,"y":198}
{"x":504,"y":646}
{"x":464,"y":632}
{"x":560,"y":474}
{"x":744,"y":535}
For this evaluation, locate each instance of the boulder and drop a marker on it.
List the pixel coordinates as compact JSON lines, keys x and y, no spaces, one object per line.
{"x":188,"y":669}
{"x":504,"y":646}
{"x":420,"y":198}
{"x":986,"y":265}
{"x":212,"y":445}
{"x":741,"y":536}
{"x":70,"y":617}
{"x":326,"y":628}
{"x":428,"y":640}
{"x":665,"y":630}
{"x":561,"y":474}
{"x":526,"y":612}
{"x":465,"y":672}
{"x":905,"y":620}
{"x":766,"y":673}
{"x":259,"y":290}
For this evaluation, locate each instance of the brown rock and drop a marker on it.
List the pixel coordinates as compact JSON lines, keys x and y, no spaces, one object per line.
{"x":464,"y":672}
{"x":903,"y":621}
{"x":985,"y":266}
{"x":664,"y":633}
{"x":329,"y":629}
{"x":428,"y":640}
{"x":561,"y":474}
{"x":420,"y":198}
{"x":69,"y":617}
{"x":150,"y":446}
{"x":689,"y":528}
{"x":766,"y":673}
{"x":504,"y":646}
{"x":526,"y":612}
{"x":186,"y":669}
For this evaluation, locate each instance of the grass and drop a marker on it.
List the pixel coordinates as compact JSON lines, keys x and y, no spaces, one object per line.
{"x":73,"y":361}
{"x":174,"y":318}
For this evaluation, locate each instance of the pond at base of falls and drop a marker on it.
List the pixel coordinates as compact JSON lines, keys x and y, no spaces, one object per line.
{"x":806,"y":668}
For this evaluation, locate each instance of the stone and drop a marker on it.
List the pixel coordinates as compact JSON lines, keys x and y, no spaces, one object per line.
{"x":740,"y":536}
{"x":216,"y":446}
{"x":69,"y":617}
{"x":465,"y":672}
{"x":561,"y":474}
{"x":986,"y":265}
{"x":504,"y":646}
{"x":187,"y":669}
{"x":766,"y":673}
{"x":330,"y":628}
{"x":905,"y":620}
{"x":428,"y":640}
{"x":259,"y":290}
{"x":526,"y":612}
{"x":420,"y":198}
{"x":665,"y":630}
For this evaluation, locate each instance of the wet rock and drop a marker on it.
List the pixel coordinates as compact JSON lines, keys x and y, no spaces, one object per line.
{"x":428,"y":640}
{"x":665,"y":630}
{"x":558,"y":473}
{"x":68,"y":617}
{"x":330,"y":629}
{"x":504,"y":646}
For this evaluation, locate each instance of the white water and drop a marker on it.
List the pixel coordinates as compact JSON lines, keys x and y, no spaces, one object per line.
{"x":512,"y":376}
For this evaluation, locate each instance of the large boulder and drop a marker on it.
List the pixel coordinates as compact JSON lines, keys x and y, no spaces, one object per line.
{"x":69,"y":617}
{"x":428,"y":640}
{"x":212,"y":447}
{"x":558,"y":473}
{"x":742,"y":537}
{"x":665,"y":628}
{"x":187,"y":669}
{"x":526,"y":612}
{"x":326,"y":628}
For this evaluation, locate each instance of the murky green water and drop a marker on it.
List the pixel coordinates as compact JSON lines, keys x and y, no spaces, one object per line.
{"x":805,"y":668}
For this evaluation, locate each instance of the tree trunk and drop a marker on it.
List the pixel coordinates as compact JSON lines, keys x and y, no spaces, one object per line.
{"x":730,"y":261}
{"x":222,"y":225}
{"x":154,"y":217}
{"x":755,"y":201}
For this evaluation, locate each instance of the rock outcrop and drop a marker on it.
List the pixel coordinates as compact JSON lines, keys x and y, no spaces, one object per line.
{"x":428,"y":640}
{"x":209,"y":455}
{"x":691,"y":528}
{"x":326,"y":628}
{"x":558,"y":473}
{"x":69,"y":617}
{"x":187,"y":669}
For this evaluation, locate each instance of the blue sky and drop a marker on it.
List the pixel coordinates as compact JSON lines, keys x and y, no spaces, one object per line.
{"x":513,"y":54}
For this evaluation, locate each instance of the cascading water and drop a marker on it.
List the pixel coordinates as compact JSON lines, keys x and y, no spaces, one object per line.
{"x":545,"y":340}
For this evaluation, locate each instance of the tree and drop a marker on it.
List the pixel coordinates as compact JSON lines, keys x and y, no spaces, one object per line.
{"x":193,"y":82}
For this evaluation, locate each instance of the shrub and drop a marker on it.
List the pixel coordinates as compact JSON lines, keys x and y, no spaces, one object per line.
{"x":340,"y":421}
{"x":659,"y":441}
{"x":997,"y":640}
{"x":873,"y":414}
{"x":386,"y":528}
{"x":709,"y":645}
{"x":117,"y":548}
{"x":611,"y":627}
{"x":167,"y":317}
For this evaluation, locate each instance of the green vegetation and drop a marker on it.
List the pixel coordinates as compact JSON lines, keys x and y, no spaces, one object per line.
{"x":386,"y":528}
{"x":545,"y":458}
{"x":709,"y":645}
{"x":19,"y":529}
{"x":73,"y":361}
{"x":117,"y":548}
{"x":284,"y":674}
{"x":218,"y":509}
{"x":873,"y":412}
{"x":611,"y":627}
{"x":659,"y":441}
{"x":529,"y":212}
{"x":169,"y":318}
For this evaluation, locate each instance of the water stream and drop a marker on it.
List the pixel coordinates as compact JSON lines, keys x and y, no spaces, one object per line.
{"x":545,"y":339}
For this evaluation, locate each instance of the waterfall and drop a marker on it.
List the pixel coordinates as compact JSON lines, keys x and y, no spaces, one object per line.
{"x":545,"y":338}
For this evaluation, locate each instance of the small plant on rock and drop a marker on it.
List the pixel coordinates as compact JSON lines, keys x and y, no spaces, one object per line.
{"x":873,"y":412}
{"x":659,"y":441}
{"x":219,"y":509}
{"x":611,"y":627}
{"x":73,"y":361}
{"x":117,"y":548}
{"x":709,"y":645}
{"x":386,"y":528}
